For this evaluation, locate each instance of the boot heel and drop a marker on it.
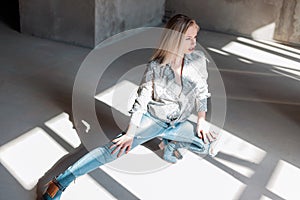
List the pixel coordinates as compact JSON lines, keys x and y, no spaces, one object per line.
{"x":52,"y":189}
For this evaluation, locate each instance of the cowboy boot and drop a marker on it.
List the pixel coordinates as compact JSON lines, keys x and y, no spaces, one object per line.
{"x":58,"y":185}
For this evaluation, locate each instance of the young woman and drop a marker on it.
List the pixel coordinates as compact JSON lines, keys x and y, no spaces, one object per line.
{"x":173,"y":85}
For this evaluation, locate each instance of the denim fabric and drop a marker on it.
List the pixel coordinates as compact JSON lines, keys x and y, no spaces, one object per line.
{"x":150,"y":128}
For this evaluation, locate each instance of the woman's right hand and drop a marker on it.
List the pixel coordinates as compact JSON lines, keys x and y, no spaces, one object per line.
{"x":124,"y":142}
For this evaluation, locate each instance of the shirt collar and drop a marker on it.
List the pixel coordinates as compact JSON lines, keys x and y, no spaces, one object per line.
{"x":187,"y":58}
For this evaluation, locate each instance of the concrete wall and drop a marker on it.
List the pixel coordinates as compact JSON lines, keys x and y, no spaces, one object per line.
{"x":257,"y":18}
{"x":70,"y":21}
{"x":87,"y":22}
{"x":115,"y":16}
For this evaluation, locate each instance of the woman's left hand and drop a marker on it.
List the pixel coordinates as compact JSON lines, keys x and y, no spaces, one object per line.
{"x":206,"y":135}
{"x":202,"y":129}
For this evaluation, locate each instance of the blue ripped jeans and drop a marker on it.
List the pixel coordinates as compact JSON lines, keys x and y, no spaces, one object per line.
{"x":150,"y":128}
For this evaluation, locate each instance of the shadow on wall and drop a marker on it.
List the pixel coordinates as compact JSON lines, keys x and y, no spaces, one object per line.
{"x":9,"y":13}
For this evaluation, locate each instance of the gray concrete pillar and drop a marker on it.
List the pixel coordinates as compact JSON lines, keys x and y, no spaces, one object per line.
{"x":288,"y":24}
{"x":87,"y":22}
{"x":114,"y":16}
{"x":69,"y":21}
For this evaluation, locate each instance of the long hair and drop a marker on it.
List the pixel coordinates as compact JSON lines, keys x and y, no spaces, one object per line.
{"x":170,"y":45}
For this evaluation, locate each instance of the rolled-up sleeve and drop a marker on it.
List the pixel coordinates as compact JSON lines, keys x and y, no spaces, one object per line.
{"x":144,"y":96}
{"x":201,"y":105}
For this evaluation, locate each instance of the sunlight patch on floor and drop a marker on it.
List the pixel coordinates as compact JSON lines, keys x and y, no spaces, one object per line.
{"x":287,"y":72}
{"x":29,"y":156}
{"x":85,"y":187}
{"x":265,"y":32}
{"x":245,"y":61}
{"x":258,"y":55}
{"x":218,"y":51}
{"x":119,"y":96}
{"x":268,"y":47}
{"x":241,"y":155}
{"x":285,"y":181}
{"x":281,"y":46}
{"x":189,"y":178}
{"x":62,"y":126}
{"x":265,"y":198}
{"x":140,"y":160}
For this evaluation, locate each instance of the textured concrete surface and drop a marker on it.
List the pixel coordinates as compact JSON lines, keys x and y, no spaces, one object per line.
{"x":288,"y":24}
{"x":263,"y":118}
{"x":232,"y":16}
{"x":115,"y":16}
{"x":89,"y":22}
{"x":256,"y":18}
{"x":68,"y":20}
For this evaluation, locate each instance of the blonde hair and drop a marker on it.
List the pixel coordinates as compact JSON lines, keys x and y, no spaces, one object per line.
{"x":170,"y":44}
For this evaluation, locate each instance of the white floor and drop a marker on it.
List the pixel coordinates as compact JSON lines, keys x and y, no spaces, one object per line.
{"x":260,"y":159}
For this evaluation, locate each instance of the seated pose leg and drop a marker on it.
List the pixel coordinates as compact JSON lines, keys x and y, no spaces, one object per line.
{"x":182,"y":135}
{"x":148,"y":130}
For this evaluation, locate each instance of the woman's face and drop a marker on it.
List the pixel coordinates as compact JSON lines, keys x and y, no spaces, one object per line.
{"x":189,"y":41}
